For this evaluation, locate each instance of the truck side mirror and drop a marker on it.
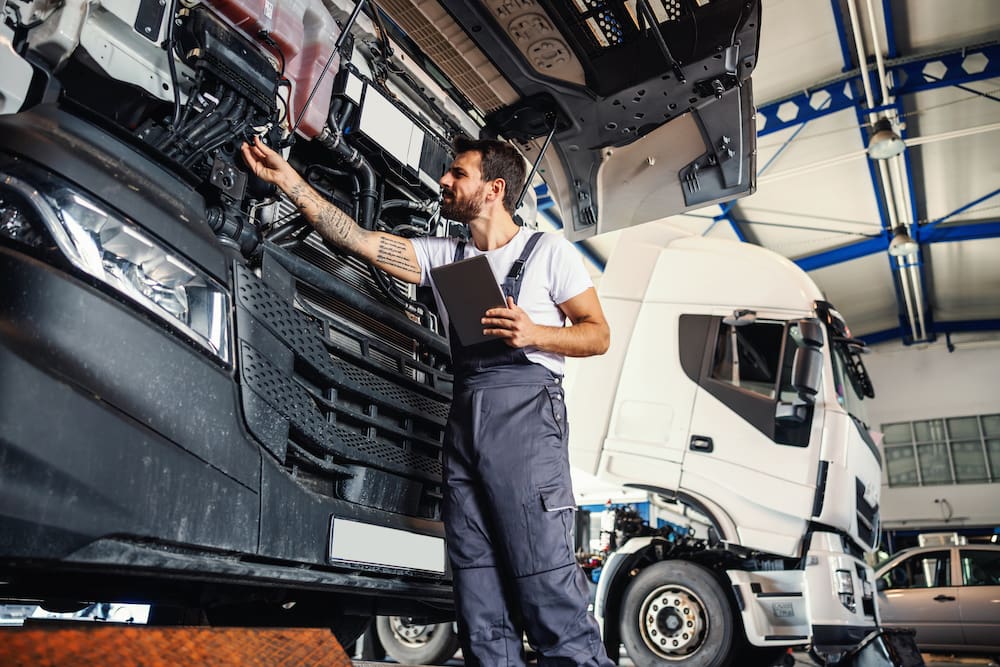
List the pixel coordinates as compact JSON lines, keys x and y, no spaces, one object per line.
{"x":807,"y":366}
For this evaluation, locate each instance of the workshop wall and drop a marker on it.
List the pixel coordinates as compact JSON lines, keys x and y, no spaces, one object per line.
{"x":925,"y":383}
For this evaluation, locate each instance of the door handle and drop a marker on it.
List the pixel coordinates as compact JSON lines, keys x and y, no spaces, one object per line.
{"x":701,"y":443}
{"x":945,"y":598}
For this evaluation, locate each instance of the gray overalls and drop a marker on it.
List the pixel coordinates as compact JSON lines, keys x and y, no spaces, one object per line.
{"x":508,"y":507}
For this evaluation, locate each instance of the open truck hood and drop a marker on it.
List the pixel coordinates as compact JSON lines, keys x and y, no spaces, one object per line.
{"x":647,"y":123}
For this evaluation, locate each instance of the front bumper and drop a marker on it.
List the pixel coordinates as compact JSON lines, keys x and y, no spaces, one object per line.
{"x":792,"y":607}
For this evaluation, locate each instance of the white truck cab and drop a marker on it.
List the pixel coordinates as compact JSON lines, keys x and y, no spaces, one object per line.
{"x":733,"y":388}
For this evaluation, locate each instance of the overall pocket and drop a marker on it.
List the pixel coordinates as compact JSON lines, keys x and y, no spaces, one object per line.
{"x":550,"y":528}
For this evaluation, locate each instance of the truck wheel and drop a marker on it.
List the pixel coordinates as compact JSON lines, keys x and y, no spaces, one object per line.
{"x":677,"y":612}
{"x":414,"y":643}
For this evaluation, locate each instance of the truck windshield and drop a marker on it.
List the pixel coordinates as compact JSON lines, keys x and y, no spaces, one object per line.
{"x":851,"y":381}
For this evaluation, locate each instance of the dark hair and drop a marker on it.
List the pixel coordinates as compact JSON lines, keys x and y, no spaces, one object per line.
{"x":499,"y":160}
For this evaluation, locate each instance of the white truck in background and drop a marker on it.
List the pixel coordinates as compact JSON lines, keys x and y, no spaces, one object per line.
{"x":733,"y":394}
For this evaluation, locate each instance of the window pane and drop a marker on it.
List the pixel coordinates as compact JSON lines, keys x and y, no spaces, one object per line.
{"x":931,"y":430}
{"x":756,"y":364}
{"x":924,"y":571}
{"x":970,"y":462}
{"x":934,"y":467}
{"x":963,"y":428}
{"x":980,"y":568}
{"x":901,"y":466}
{"x":993,"y":450}
{"x":895,"y":433}
{"x":991,"y":425}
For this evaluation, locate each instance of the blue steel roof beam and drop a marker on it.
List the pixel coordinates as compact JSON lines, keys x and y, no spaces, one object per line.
{"x":907,"y":76}
{"x":965,"y":232}
{"x":934,"y":224}
{"x":876,"y":244}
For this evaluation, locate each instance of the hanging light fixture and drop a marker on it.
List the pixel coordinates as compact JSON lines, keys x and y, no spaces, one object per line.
{"x":884,"y":142}
{"x":901,"y":243}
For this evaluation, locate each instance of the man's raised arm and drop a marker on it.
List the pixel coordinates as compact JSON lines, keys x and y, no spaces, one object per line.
{"x":393,"y":254}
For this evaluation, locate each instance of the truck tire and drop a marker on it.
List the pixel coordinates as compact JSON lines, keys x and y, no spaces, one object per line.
{"x":413,"y":643}
{"x":677,"y":612}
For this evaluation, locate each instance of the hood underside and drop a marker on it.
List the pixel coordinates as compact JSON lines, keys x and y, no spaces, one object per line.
{"x":650,"y":100}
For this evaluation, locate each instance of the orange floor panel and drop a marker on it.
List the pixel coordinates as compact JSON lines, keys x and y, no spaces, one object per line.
{"x":133,"y":646}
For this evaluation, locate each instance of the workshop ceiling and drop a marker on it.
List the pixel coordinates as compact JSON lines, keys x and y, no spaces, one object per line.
{"x":822,"y":202}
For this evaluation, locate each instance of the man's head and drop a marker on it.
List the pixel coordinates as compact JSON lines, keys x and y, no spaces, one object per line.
{"x":483,"y":171}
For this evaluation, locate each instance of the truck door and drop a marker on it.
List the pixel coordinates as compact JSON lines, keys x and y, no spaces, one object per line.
{"x":648,"y":427}
{"x":755,"y":467}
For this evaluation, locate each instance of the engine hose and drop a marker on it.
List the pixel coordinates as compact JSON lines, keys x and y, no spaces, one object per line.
{"x":367,"y":197}
{"x":211,"y":120}
{"x":178,"y":134}
{"x":221,"y":132}
{"x":384,"y":283}
{"x":232,"y":120}
{"x":322,"y":280}
{"x":278,"y":235}
{"x":226,"y":136}
{"x":424,"y":206}
{"x":171,"y":65}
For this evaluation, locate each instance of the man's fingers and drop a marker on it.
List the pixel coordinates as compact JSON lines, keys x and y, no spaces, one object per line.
{"x":500,"y":333}
{"x":498,"y":316}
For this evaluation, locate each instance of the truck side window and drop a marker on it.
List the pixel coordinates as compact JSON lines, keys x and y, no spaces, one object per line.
{"x":756,"y":365}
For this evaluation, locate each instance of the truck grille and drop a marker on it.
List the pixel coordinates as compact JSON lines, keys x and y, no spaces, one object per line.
{"x":340,"y":399}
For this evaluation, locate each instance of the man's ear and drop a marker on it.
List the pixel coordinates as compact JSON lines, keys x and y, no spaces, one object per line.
{"x":497,"y":189}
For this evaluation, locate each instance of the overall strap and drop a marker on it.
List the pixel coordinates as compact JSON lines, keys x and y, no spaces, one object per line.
{"x":459,"y":252}
{"x":512,"y":283}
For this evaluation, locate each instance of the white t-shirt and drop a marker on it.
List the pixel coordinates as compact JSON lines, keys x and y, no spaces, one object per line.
{"x":553,"y":274}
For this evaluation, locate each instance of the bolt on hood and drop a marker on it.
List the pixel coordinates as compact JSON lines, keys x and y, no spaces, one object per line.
{"x":649,"y":121}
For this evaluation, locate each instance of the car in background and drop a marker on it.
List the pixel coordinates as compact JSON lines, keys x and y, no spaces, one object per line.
{"x":949,"y":594}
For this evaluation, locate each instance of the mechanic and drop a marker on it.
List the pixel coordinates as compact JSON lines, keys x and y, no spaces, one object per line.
{"x":508,"y":501}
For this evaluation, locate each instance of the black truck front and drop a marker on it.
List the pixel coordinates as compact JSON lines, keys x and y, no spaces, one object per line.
{"x":183,"y":425}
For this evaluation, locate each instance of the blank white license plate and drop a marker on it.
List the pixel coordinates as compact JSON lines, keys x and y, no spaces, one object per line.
{"x":355,"y":542}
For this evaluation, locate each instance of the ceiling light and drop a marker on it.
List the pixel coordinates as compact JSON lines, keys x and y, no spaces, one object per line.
{"x":884,"y":142}
{"x":901,"y":243}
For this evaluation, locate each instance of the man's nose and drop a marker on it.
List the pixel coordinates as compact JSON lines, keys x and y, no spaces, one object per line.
{"x":445,"y":180}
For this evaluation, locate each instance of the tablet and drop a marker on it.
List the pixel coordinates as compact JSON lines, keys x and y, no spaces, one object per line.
{"x":468,"y":289}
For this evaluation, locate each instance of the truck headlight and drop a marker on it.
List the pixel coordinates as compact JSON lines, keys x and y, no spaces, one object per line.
{"x":844,"y":584}
{"x":116,"y":252}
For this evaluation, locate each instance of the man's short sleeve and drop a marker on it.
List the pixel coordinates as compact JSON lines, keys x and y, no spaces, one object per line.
{"x":568,"y":276}
{"x":432,"y":252}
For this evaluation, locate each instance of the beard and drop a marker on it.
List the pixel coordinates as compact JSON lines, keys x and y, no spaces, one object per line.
{"x":461,"y":210}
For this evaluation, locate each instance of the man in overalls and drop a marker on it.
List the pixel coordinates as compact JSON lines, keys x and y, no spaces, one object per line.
{"x":508,"y":500}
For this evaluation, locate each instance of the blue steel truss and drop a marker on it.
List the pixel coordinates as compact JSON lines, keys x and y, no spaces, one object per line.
{"x":909,"y":75}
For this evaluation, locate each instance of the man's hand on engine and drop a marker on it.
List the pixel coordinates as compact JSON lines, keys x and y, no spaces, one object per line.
{"x":268,"y":165}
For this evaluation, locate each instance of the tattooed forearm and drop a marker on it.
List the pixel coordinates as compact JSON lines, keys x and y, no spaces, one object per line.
{"x":333,"y":224}
{"x":393,"y":252}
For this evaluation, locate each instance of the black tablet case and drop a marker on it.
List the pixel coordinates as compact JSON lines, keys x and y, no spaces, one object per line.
{"x":468,"y":289}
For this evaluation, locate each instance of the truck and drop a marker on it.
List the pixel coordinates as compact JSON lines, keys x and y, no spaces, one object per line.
{"x":203,"y":406}
{"x":734,"y":396}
